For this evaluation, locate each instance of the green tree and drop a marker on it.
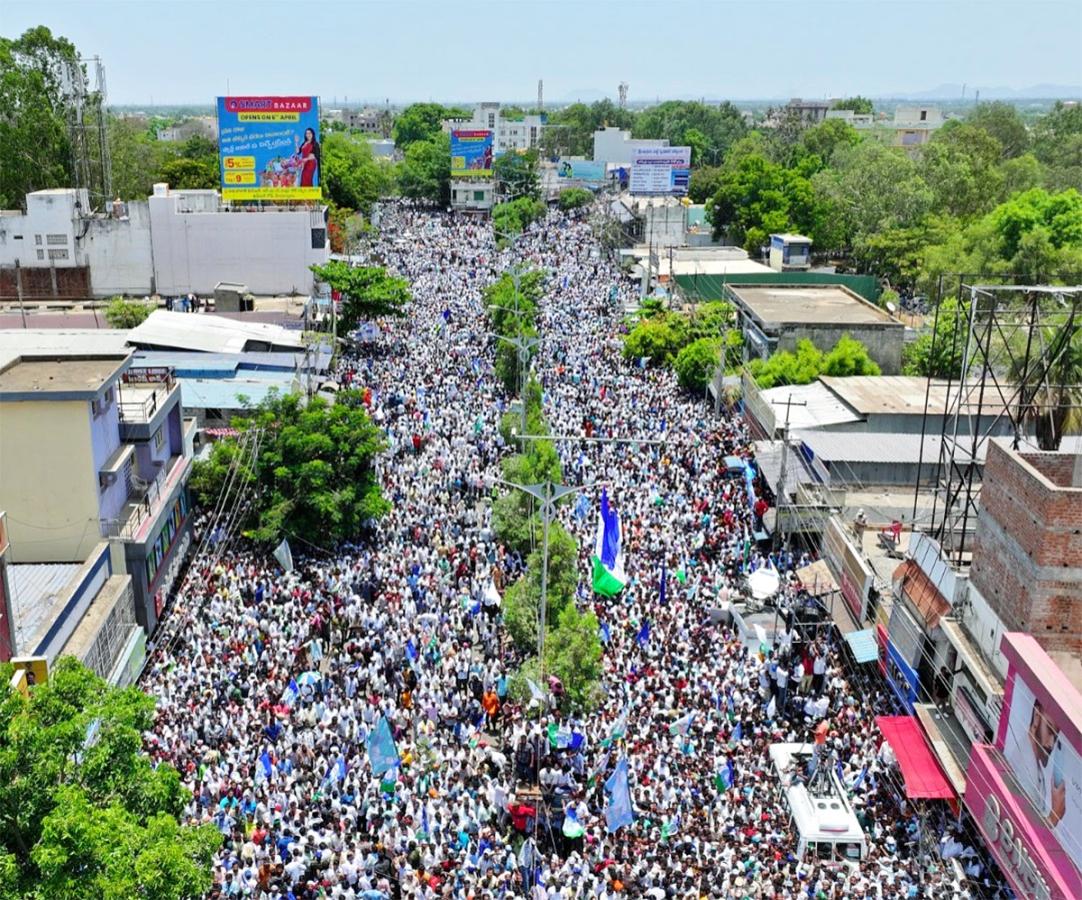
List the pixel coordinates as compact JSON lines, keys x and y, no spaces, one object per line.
{"x":1054,"y":402}
{"x":513,"y":217}
{"x":125,"y":314}
{"x":522,"y":601}
{"x":575,"y":198}
{"x":570,"y":131}
{"x":425,"y":172}
{"x":189,"y":174}
{"x":961,"y":167}
{"x":898,"y":255}
{"x":352,"y":177}
{"x":704,"y":183}
{"x":800,"y":367}
{"x":34,"y":143}
{"x":573,"y":654}
{"x":367,"y":292}
{"x":83,"y":813}
{"x":823,"y":139}
{"x":1057,"y":143}
{"x":1003,"y":124}
{"x":860,"y":105}
{"x":418,"y":122}
{"x":848,"y":357}
{"x":657,"y":338}
{"x":313,"y":474}
{"x":937,"y":351}
{"x":871,"y":188}
{"x":695,"y":364}
{"x":136,"y":159}
{"x":517,"y":175}
{"x":709,"y":130}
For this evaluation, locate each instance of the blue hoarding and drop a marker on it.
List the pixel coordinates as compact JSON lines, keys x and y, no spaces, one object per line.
{"x":471,"y":154}
{"x":269,"y":148}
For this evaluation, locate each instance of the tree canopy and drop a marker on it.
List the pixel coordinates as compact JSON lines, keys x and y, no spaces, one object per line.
{"x":425,"y":172}
{"x":367,"y":292}
{"x":806,"y":363}
{"x":352,"y":177}
{"x":517,"y":175}
{"x":125,"y":314}
{"x":418,"y":122}
{"x":313,"y":473}
{"x":858,"y":104}
{"x":83,"y":812}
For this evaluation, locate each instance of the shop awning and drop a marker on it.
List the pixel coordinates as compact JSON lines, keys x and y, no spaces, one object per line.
{"x":924,"y":779}
{"x":817,"y":579}
{"x":864,"y":645}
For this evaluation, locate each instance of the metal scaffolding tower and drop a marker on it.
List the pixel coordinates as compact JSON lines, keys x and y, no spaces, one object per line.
{"x":86,"y":117}
{"x":1007,"y":356}
{"x":623,"y":94}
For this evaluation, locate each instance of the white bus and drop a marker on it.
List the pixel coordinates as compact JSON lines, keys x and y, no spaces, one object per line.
{"x":822,"y":814}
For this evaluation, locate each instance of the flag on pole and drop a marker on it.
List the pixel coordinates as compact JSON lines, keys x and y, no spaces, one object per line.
{"x":682,"y":725}
{"x":266,"y":767}
{"x":643,"y":637}
{"x":598,"y":769}
{"x":609,"y":577}
{"x":382,"y":752}
{"x":724,"y":779}
{"x":619,"y":729}
{"x":535,"y":691}
{"x":618,"y":811}
{"x":337,"y":771}
{"x":661,"y":592}
{"x":289,"y":695}
{"x":284,"y":555}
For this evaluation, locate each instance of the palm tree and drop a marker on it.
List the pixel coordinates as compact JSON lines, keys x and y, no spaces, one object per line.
{"x":1052,"y":400}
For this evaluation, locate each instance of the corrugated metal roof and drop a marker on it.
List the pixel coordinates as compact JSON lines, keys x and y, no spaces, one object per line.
{"x":36,"y":588}
{"x":874,"y":447}
{"x":817,"y":406}
{"x":185,"y":363}
{"x":225,"y":393}
{"x":864,"y":646}
{"x":206,"y":333}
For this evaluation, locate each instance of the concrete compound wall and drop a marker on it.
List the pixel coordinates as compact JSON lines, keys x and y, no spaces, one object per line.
{"x":1027,"y":552}
{"x":118,"y":252}
{"x":884,"y":343}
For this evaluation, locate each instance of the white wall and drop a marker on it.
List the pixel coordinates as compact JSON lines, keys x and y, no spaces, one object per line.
{"x":268,"y":251}
{"x":118,"y":252}
{"x":986,"y":628}
{"x":613,"y":145}
{"x":47,"y":213}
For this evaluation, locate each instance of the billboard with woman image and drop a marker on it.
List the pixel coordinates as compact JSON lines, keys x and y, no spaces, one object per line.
{"x":269,"y":148}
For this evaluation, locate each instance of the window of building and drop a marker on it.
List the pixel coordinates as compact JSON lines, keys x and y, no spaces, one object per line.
{"x":478,"y":196}
{"x":56,"y":239}
{"x":319,"y":238}
{"x":58,"y":254}
{"x":924,"y":115}
{"x":159,"y":438}
{"x":41,"y":254}
{"x":37,"y":239}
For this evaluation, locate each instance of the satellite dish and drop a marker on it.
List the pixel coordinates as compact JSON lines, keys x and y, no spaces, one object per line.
{"x":891,"y":308}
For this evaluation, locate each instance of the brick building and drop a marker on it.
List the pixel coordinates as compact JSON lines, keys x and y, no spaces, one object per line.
{"x":1027,"y":552}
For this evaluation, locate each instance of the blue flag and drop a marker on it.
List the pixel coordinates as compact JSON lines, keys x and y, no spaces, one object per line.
{"x":267,"y":765}
{"x":738,"y":732}
{"x":605,"y":636}
{"x":382,"y":753}
{"x":643,"y":637}
{"x":664,"y":578}
{"x":411,"y":650}
{"x":618,"y":811}
{"x":289,"y":695}
{"x":337,"y":771}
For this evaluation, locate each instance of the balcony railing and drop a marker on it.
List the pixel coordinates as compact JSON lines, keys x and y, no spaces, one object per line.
{"x":144,"y":502}
{"x":143,"y":391}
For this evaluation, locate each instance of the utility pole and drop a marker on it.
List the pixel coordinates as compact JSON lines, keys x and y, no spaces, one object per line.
{"x":19,"y":291}
{"x":782,"y":496}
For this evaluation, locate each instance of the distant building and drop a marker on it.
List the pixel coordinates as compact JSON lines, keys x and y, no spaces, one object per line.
{"x":775,"y":317}
{"x":368,"y":120}
{"x":473,"y":194}
{"x":510,"y":135}
{"x":806,"y":112}
{"x":615,"y":145}
{"x":175,"y":242}
{"x":911,"y":126}
{"x":201,"y":126}
{"x":93,"y":448}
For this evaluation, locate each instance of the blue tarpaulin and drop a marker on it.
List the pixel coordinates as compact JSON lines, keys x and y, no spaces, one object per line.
{"x":864,"y":646}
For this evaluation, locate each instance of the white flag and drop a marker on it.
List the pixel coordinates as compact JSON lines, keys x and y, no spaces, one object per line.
{"x":284,"y":555}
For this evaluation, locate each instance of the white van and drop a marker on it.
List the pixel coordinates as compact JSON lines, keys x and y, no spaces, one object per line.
{"x":826,"y":825}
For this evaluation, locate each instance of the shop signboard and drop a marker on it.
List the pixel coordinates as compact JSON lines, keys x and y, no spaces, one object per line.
{"x":269,"y":148}
{"x":853,"y":575}
{"x":581,"y":170}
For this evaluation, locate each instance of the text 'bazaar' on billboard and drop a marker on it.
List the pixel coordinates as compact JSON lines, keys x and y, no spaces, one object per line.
{"x":471,"y":154}
{"x":269,"y":148}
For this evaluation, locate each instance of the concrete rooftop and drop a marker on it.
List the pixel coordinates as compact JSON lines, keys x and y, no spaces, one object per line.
{"x":83,"y":375}
{"x":776,"y":305}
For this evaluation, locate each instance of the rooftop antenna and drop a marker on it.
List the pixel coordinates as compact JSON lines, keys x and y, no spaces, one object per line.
{"x":540,"y":95}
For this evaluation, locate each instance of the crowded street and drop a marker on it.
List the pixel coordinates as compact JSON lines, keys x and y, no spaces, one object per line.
{"x":272,"y":686}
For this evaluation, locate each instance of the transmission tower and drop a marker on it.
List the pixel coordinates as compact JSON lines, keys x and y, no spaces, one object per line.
{"x":622,"y":92}
{"x":540,"y":95}
{"x":86,"y":117}
{"x":1010,"y":343}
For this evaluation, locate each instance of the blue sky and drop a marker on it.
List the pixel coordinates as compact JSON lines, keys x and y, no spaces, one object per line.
{"x":189,"y":52}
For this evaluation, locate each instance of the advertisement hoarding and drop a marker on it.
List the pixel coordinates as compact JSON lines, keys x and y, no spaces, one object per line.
{"x":471,"y":154}
{"x":660,"y":170}
{"x":269,"y":148}
{"x":850,"y":571}
{"x":581,"y":169}
{"x":1044,"y":763}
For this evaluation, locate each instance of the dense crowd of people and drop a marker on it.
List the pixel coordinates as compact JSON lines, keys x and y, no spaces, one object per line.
{"x":270,"y":684}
